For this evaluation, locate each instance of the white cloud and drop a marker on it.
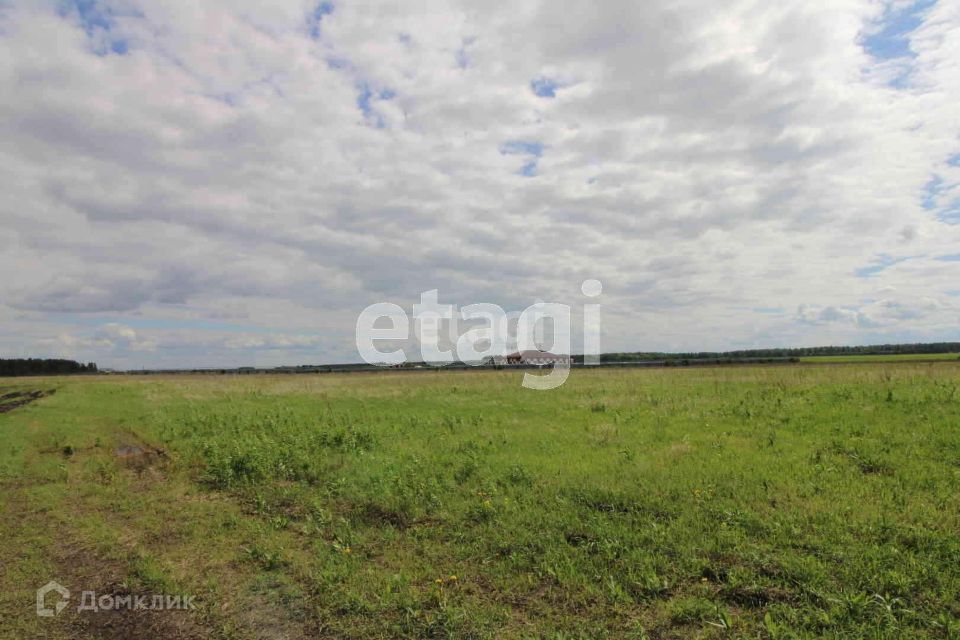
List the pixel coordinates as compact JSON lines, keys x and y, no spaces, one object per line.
{"x":885,"y":312}
{"x":175,"y":162}
{"x":111,"y":336}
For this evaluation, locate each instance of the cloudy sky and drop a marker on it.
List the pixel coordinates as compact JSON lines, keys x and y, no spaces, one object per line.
{"x":233,"y":184}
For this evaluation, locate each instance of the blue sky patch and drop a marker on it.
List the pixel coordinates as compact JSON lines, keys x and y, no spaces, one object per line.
{"x":949,"y":258}
{"x":97,"y":21}
{"x":544,"y":87}
{"x":892,"y":40}
{"x":930,"y":192}
{"x":316,"y":17}
{"x":364,"y":98}
{"x":882,"y":263}
{"x":522,"y":147}
{"x":769,"y":310}
{"x":954,"y":161}
{"x":951,"y":214}
{"x":91,"y":14}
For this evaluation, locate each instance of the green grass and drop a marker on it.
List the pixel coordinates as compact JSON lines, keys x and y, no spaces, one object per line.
{"x":891,"y":357}
{"x":759,"y":502}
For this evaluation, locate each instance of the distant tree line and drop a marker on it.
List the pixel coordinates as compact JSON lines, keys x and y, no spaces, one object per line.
{"x":877,"y":349}
{"x":43,"y":366}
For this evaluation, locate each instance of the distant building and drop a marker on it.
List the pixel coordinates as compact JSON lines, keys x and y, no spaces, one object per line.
{"x":533,"y":357}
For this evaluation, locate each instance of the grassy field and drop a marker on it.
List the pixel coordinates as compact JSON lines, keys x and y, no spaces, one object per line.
{"x":893,"y":357}
{"x":744,"y":502}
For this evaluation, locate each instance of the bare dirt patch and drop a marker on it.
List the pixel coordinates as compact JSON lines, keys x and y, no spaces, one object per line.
{"x":15,"y":399}
{"x":80,"y":567}
{"x":141,"y":458}
{"x":85,"y":570}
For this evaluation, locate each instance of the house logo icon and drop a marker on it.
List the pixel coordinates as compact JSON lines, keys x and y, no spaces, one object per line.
{"x":42,"y":609}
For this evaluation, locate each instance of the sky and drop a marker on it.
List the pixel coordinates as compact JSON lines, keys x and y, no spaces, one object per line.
{"x":232,"y":184}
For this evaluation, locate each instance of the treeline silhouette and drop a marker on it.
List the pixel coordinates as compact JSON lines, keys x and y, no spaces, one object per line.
{"x":871,"y":350}
{"x":43,"y":366}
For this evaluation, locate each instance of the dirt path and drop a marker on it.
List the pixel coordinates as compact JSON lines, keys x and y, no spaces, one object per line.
{"x":76,"y":565}
{"x":16,"y":399}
